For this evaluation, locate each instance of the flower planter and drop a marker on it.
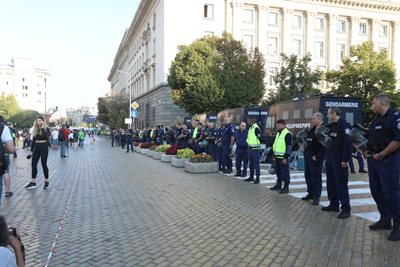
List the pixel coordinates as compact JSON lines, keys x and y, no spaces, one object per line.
{"x":136,"y":149}
{"x":179,"y":163}
{"x":144,"y":151}
{"x":157,"y":155}
{"x":205,"y":167}
{"x":167,"y":158}
{"x":150,"y":153}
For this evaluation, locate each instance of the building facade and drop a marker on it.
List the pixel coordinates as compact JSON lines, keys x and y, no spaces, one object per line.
{"x":83,"y":116}
{"x":324,"y":28}
{"x":26,"y":82}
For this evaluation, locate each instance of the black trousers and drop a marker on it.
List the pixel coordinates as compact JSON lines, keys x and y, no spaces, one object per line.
{"x":41,"y":151}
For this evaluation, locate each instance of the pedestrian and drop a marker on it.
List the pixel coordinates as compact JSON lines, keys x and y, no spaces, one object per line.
{"x":62,"y":138}
{"x":282,"y":148}
{"x":357,"y":155}
{"x":314,"y":155}
{"x":228,"y":139}
{"x":54,"y":138}
{"x":211,"y":138}
{"x":220,"y":150}
{"x":40,"y":150}
{"x":383,"y":159}
{"x":254,"y":145}
{"x":81,"y":136}
{"x":338,"y":154}
{"x":241,"y":151}
{"x":6,"y":147}
{"x":129,"y":140}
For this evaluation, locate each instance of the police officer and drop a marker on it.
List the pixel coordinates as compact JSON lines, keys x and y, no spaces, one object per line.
{"x":338,"y":154}
{"x":129,"y":140}
{"x":253,"y":141}
{"x":228,"y":139}
{"x":383,"y":165}
{"x":282,"y":148}
{"x":220,"y":150}
{"x":314,"y":155}
{"x":241,"y":151}
{"x":211,"y":138}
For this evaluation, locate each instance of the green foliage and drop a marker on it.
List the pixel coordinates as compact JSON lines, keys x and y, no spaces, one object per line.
{"x":24,"y":119}
{"x":366,"y":73}
{"x":162,"y":148}
{"x":9,"y":106}
{"x":186,"y":153}
{"x":113,"y":110}
{"x":295,"y":79}
{"x":215,"y":73}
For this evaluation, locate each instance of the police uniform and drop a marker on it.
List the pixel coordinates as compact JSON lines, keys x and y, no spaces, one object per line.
{"x":212,"y":146}
{"x":241,"y":153}
{"x":384,"y":174}
{"x":314,"y":155}
{"x":282,"y":149}
{"x":253,"y":142}
{"x":221,"y":163}
{"x":226,"y":140}
{"x":338,"y":151}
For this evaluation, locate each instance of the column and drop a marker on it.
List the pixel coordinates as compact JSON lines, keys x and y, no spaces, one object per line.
{"x":354,"y":30}
{"x":332,"y":24}
{"x":375,"y":24}
{"x":262,"y":29}
{"x":396,"y":52}
{"x":287,"y":31}
{"x":310,"y":29}
{"x":237,"y":20}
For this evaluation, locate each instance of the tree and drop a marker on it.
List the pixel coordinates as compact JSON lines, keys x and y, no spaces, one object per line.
{"x":364,"y":74}
{"x":24,"y":119}
{"x":9,"y":106}
{"x":102,"y":115}
{"x":295,"y":79}
{"x":215,"y":73}
{"x":112,"y":111}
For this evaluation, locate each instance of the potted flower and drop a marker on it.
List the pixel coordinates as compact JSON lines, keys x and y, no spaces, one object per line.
{"x":159,"y":151}
{"x":151,"y":150}
{"x":201,"y":163}
{"x":182,"y":156}
{"x":169,"y":153}
{"x":144,"y":147}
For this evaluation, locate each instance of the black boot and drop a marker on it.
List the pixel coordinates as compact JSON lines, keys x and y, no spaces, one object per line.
{"x":228,"y":171}
{"x":250,"y":179}
{"x":307,"y":197}
{"x":394,"y":235}
{"x":383,"y":224}
{"x":277,"y":186}
{"x":238,"y":175}
{"x":257,"y":181}
{"x":285,"y":189}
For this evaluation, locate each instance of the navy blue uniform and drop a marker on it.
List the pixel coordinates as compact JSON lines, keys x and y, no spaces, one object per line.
{"x":221,"y":162}
{"x":212,"y":146}
{"x":314,"y":156}
{"x":226,"y":140}
{"x":241,"y":152}
{"x":337,"y":177}
{"x":384,"y":174}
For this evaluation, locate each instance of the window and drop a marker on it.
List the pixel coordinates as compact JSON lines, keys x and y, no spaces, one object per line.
{"x":296,"y":47}
{"x":319,"y":24}
{"x":270,"y":123}
{"x":341,"y":26}
{"x":273,"y":18}
{"x":208,"y":11}
{"x":296,"y":114}
{"x":350,"y":117}
{"x":308,"y":113}
{"x":273,"y":71}
{"x":248,"y":15}
{"x":363,"y":28}
{"x":206,"y":33}
{"x":285,"y":115}
{"x":341,"y":51}
{"x":296,"y":21}
{"x":272,"y":46}
{"x":23,"y":79}
{"x":39,"y":93}
{"x":248,"y":41}
{"x":383,"y":30}
{"x":319,"y":49}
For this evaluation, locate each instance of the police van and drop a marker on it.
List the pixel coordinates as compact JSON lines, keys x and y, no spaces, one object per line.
{"x":298,"y":113}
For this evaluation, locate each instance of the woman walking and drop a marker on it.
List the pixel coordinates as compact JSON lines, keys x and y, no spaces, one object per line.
{"x":40,"y":150}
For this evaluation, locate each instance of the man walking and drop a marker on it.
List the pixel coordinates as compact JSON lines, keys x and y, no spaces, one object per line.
{"x":241,"y":151}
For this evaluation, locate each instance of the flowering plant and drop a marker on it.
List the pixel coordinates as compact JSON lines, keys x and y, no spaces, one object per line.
{"x":200,"y":158}
{"x":186,"y":153}
{"x":172,"y":150}
{"x":153,"y":147}
{"x":162,"y":148}
{"x":145,"y":145}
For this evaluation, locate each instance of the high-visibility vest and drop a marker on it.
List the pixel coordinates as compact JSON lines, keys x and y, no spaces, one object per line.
{"x":279,"y":146}
{"x":252,"y":139}
{"x":195,"y":132}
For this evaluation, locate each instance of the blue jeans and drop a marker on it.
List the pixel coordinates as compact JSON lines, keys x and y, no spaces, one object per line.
{"x":1,"y":187}
{"x":63,"y":148}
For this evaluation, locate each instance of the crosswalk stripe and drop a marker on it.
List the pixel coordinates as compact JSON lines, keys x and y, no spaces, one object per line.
{"x":304,"y":186}
{"x":355,"y":202}
{"x":372,"y":216}
{"x":354,"y":191}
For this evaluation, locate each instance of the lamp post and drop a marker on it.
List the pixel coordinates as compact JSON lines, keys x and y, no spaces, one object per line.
{"x":130,"y":95}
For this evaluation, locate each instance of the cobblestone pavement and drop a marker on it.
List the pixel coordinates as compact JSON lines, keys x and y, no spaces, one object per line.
{"x":128,"y":209}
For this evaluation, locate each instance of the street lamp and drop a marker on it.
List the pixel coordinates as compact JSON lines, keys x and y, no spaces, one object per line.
{"x":130,"y":95}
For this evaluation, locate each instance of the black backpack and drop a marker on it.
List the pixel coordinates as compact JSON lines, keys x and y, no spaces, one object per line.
{"x":61,"y":136}
{"x":3,"y":162}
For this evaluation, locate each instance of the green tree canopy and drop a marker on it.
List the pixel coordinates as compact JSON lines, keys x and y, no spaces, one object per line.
{"x":295,"y":79}
{"x":364,"y":74}
{"x":9,"y":106}
{"x":24,"y":119}
{"x":113,"y":110}
{"x":215,"y":73}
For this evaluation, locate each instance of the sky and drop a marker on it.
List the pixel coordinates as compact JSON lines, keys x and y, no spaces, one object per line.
{"x":76,"y":40}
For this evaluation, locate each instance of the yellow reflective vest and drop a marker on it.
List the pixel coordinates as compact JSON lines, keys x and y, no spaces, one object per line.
{"x":252,"y":139}
{"x":279,"y":146}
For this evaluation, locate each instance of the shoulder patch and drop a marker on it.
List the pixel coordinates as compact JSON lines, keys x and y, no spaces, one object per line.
{"x":347,"y":130}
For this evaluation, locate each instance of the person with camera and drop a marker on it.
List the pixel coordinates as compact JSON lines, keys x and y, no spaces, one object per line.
{"x":6,"y":147}
{"x":9,"y":237}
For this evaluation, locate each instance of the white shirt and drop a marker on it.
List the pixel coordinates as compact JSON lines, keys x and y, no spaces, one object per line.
{"x":31,"y":133}
{"x":54,"y":134}
{"x":7,"y":258}
{"x":6,"y":135}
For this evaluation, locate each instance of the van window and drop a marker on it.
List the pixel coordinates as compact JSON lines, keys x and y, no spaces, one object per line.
{"x":285,"y":115}
{"x":350,"y":117}
{"x":270,"y":123}
{"x":296,"y":114}
{"x":308,"y":113}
